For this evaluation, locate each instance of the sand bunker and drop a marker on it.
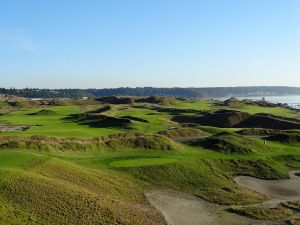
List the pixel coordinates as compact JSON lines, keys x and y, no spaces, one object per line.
{"x":12,"y":128}
{"x":278,"y":189}
{"x":186,"y":209}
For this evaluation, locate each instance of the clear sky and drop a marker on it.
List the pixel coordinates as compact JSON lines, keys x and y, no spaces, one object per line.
{"x":164,"y":43}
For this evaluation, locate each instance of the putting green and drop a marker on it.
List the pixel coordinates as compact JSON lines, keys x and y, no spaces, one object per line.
{"x":142,"y":162}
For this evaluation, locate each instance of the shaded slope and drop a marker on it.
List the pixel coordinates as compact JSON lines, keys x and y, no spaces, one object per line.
{"x":44,"y":112}
{"x":229,"y":143}
{"x":98,"y":120}
{"x":270,"y":121}
{"x":265,"y":132}
{"x":290,"y":138}
{"x":221,"y":118}
{"x":233,"y":118}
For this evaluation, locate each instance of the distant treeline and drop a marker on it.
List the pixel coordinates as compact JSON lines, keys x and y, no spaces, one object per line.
{"x":189,"y":93}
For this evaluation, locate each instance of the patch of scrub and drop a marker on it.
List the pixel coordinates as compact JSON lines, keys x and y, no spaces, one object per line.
{"x":142,"y":162}
{"x":278,"y":189}
{"x":186,"y":209}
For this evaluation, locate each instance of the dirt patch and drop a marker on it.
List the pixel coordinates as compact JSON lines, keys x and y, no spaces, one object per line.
{"x":278,"y":189}
{"x":186,"y":209}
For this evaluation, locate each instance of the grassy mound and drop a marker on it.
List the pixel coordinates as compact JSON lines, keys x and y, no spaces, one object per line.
{"x":152,"y":142}
{"x":265,"y":132}
{"x":238,"y":119}
{"x":229,"y":143}
{"x":116,"y":100}
{"x":269,"y":121}
{"x":24,"y":104}
{"x":290,"y":138}
{"x":124,"y":141}
{"x":221,"y":118}
{"x":257,"y":131}
{"x":98,"y":120}
{"x":262,"y":212}
{"x":234,"y":102}
{"x":102,"y":109}
{"x":55,"y":192}
{"x":44,"y":112}
{"x":69,"y":102}
{"x":158,"y":100}
{"x":183,"y":132}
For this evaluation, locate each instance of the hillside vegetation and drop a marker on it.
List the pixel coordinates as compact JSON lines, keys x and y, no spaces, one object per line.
{"x":230,"y":143}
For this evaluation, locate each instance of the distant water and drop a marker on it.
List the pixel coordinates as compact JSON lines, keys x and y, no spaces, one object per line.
{"x":292,"y":100}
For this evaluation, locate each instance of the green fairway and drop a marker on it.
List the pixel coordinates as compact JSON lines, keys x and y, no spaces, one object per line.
{"x":52,"y":125}
{"x":142,"y":162}
{"x":17,"y":159}
{"x":156,"y":121}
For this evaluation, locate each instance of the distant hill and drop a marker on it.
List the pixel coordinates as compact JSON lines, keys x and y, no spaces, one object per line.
{"x":213,"y":92}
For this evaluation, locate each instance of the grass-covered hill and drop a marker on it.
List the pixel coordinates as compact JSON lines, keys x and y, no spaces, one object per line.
{"x":230,"y":143}
{"x":91,"y":162}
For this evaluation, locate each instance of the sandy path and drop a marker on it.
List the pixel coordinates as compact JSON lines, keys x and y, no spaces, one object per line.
{"x":278,"y":189}
{"x":185,"y":209}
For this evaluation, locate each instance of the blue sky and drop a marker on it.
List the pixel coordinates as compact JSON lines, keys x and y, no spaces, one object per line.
{"x":165,"y":43}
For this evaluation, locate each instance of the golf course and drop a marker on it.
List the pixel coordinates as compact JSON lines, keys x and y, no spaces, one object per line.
{"x":137,"y":160}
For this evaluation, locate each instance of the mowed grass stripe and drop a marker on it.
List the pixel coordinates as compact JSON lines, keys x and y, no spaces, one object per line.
{"x":142,"y":162}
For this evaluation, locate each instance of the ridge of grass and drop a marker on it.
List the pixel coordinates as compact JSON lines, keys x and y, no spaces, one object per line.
{"x":230,"y":143}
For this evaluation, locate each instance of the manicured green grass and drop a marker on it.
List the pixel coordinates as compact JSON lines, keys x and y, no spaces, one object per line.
{"x":52,"y":125}
{"x":17,"y":159}
{"x":156,"y":122}
{"x":252,"y":109}
{"x":142,"y":162}
{"x":196,"y":105}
